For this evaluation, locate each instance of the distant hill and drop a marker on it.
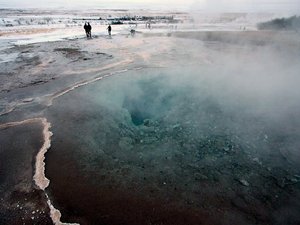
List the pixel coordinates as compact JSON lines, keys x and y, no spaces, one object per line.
{"x":291,"y":23}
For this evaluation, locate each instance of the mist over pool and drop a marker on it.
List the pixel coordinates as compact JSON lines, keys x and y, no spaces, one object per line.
{"x":189,"y":142}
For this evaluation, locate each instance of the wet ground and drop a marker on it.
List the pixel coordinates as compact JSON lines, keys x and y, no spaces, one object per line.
{"x":21,"y":201}
{"x":161,"y":129}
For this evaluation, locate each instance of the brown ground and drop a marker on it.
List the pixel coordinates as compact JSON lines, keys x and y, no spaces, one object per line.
{"x":21,"y":202}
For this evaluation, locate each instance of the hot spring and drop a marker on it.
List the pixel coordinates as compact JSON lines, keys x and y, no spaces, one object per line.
{"x":172,"y":146}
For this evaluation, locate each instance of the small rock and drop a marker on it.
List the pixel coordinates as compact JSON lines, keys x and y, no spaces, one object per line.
{"x":149,"y":140}
{"x":226,"y":149}
{"x":244,"y":182}
{"x":281,"y":182}
{"x":27,"y":100}
{"x":266,"y":137}
{"x":176,"y":126}
{"x":147,"y":122}
{"x":293,"y":180}
{"x":257,"y":161}
{"x":199,"y":176}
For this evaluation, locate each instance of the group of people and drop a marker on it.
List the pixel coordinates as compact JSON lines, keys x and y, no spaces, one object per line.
{"x":88,"y":30}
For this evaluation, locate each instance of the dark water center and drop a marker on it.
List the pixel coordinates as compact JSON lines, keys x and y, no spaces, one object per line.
{"x":151,"y":147}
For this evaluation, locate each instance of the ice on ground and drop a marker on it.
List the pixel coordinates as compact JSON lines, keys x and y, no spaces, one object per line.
{"x":32,"y":26}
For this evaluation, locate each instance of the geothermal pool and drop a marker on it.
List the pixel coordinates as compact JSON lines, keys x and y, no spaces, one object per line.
{"x":176,"y":128}
{"x":171,"y":146}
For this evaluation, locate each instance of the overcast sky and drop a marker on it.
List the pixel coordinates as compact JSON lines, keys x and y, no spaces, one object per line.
{"x":206,"y":5}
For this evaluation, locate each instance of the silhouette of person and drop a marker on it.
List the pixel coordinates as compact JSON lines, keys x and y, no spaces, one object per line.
{"x":109,"y":30}
{"x":132,"y":32}
{"x":86,"y":29}
{"x":89,"y":30}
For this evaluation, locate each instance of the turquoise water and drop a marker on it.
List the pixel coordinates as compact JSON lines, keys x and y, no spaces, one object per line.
{"x":154,"y":147}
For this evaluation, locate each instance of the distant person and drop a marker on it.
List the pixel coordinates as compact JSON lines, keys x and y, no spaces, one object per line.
{"x":132,"y":32}
{"x":148,"y":25}
{"x":86,"y":29}
{"x":89,"y":29}
{"x":109,"y":30}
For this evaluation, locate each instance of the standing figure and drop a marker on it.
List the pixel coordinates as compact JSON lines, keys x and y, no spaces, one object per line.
{"x":109,"y":30}
{"x":89,"y":28}
{"x":86,"y":29}
{"x":132,"y":32}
